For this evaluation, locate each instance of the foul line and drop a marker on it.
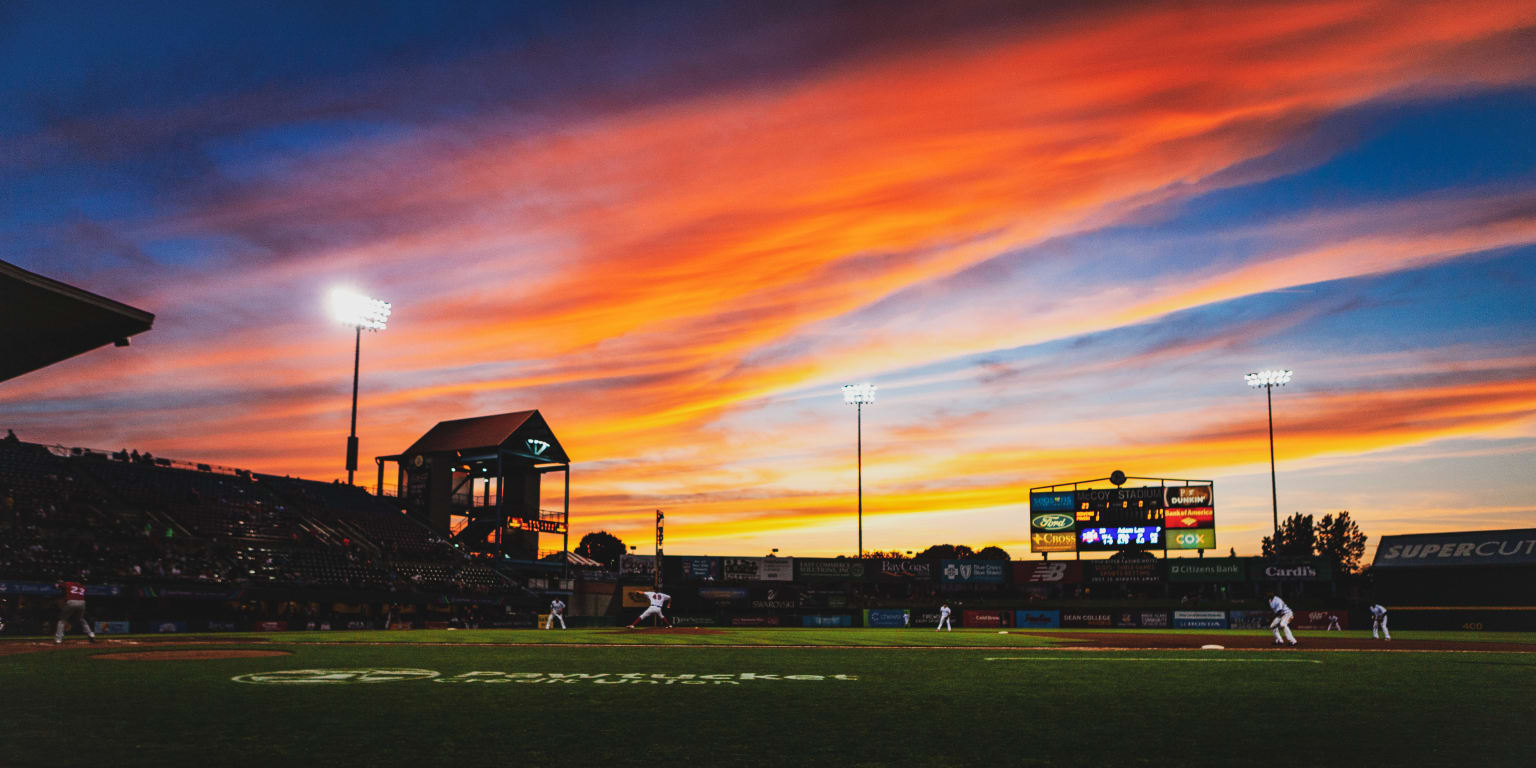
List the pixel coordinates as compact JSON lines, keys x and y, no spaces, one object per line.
{"x":1148,"y":658}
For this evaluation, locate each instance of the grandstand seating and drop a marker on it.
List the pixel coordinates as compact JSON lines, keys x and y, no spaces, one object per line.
{"x":125,"y":518}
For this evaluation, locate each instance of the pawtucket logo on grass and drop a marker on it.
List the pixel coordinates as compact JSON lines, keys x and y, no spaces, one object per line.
{"x":358,"y":676}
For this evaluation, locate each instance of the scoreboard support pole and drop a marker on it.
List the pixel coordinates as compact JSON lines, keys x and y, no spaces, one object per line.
{"x":656,"y":572}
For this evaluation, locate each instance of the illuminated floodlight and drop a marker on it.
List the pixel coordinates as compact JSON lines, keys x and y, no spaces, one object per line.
{"x":859,"y":394}
{"x":1268,"y":378}
{"x":359,"y":311}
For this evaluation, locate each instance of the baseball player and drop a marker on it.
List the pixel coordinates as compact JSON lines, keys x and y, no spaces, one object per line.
{"x":72,"y":610}
{"x":1379,"y":620}
{"x":658,"y":600}
{"x":1333,"y":623}
{"x":944,"y":622}
{"x":1282,"y":622}
{"x":556,"y":611}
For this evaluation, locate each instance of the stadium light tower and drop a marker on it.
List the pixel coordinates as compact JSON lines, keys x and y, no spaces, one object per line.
{"x":361,"y":313}
{"x":859,"y":395}
{"x":1269,"y":380}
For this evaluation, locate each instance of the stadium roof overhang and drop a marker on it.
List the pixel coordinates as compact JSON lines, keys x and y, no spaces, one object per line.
{"x":521,"y":436}
{"x":46,"y":321}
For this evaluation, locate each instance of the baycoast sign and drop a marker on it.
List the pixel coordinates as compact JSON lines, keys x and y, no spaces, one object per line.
{"x":364,"y":676}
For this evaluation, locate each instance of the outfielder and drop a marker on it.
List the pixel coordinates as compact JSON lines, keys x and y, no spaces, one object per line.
{"x":1379,"y":620}
{"x":72,"y":610}
{"x":1282,"y":622}
{"x":1333,"y":623}
{"x":944,"y":622}
{"x":658,"y":599}
{"x":556,"y":611}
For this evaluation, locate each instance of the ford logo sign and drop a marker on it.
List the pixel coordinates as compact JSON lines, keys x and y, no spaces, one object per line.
{"x":1053,"y":522}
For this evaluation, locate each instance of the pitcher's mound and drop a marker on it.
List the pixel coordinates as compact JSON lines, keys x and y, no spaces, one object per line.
{"x":189,"y":655}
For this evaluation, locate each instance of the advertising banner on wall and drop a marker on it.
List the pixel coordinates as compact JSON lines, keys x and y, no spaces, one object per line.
{"x":776,"y":598}
{"x":722,"y":595}
{"x":1250,"y":619}
{"x":1188,"y":496}
{"x":814,"y":568}
{"x":637,"y":565}
{"x":1125,"y":571}
{"x":776,"y":569}
{"x":696,"y":620}
{"x":887,"y":618}
{"x":1059,"y":572}
{"x":839,"y":620}
{"x":1061,"y":541}
{"x":1037,"y":619}
{"x":1319,"y":619}
{"x":1509,"y":547}
{"x":1276,"y":570}
{"x":1189,"y":569}
{"x":698,"y":568}
{"x":1200,"y":619}
{"x":974,"y":571}
{"x":741,"y":568}
{"x":1087,"y":619}
{"x":112,"y":628}
{"x":916,"y":570}
{"x":1144,"y":619}
{"x":984,"y":619}
{"x":1185,"y":538}
{"x":754,"y":621}
{"x":1195,"y":517}
{"x":1051,"y":501}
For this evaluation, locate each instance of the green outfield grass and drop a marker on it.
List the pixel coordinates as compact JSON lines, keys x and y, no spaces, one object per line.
{"x":1017,"y":703}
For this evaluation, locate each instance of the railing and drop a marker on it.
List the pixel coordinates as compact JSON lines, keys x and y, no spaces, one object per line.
{"x":158,"y":461}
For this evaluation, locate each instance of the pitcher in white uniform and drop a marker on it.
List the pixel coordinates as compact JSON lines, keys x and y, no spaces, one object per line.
{"x":658,"y":600}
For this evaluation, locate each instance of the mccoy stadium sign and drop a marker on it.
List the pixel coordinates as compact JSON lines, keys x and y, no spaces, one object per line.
{"x":1511,"y":547}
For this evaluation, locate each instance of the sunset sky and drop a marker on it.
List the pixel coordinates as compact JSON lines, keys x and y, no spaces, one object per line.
{"x":1055,"y":235}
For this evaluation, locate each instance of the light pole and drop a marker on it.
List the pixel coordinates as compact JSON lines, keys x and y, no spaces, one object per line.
{"x":1269,"y":380}
{"x":858,"y":395}
{"x":361,"y":313}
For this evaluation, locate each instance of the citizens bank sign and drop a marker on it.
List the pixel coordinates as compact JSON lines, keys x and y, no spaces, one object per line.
{"x":1512,"y":547}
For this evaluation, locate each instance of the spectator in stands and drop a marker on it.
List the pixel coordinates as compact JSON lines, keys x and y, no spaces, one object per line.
{"x":10,"y":437}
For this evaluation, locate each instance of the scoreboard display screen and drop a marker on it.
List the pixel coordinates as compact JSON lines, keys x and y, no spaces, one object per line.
{"x":1110,"y":519}
{"x":1120,"y":506}
{"x":1102,"y":539}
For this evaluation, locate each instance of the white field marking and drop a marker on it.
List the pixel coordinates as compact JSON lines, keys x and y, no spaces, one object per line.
{"x":1149,"y":658}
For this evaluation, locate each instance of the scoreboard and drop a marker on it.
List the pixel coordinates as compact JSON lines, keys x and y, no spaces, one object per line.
{"x":1112,"y":519}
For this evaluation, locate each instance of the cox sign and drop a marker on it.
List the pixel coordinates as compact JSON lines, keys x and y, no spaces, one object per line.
{"x":1201,"y":538}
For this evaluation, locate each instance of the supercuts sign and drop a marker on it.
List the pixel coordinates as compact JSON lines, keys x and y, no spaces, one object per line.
{"x":1513,"y":547}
